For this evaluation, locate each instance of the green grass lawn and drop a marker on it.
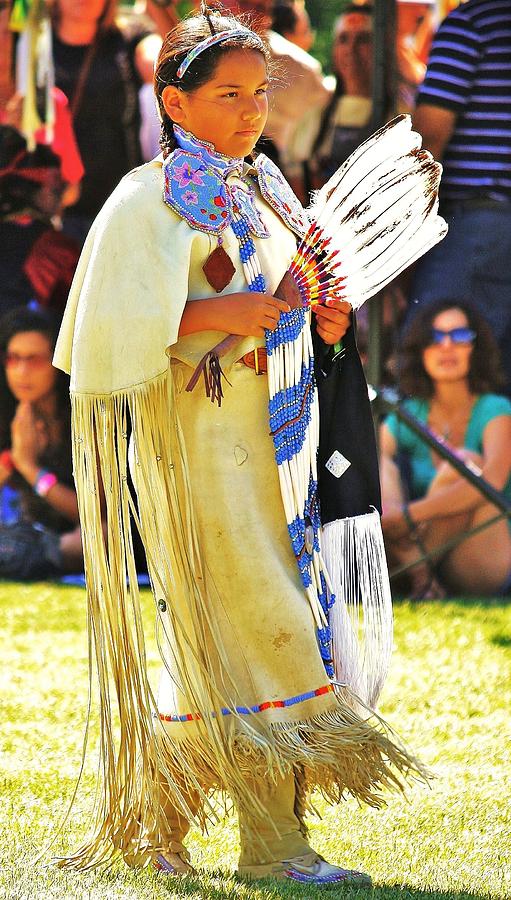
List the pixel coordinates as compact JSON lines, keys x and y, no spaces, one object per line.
{"x":448,"y":694}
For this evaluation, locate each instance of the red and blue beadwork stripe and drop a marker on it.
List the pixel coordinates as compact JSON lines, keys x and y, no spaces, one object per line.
{"x":249,"y":710}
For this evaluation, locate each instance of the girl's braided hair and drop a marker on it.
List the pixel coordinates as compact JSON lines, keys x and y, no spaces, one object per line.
{"x":210,"y":19}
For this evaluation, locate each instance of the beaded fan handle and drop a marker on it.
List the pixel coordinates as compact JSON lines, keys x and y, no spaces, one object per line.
{"x":314,"y":269}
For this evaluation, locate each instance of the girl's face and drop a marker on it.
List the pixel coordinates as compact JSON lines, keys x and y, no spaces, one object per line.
{"x":447,"y":360}
{"x":28,"y":369}
{"x":230,"y":110}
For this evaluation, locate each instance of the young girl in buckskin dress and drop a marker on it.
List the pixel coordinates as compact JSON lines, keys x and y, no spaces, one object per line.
{"x":189,"y":249}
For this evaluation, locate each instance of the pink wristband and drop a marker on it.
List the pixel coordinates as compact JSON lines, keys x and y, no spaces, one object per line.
{"x":44,"y":482}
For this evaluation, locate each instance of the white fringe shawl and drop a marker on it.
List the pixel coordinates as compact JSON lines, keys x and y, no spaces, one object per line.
{"x":361,"y":618}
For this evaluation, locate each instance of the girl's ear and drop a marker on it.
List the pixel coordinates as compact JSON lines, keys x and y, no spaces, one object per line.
{"x":172,"y":99}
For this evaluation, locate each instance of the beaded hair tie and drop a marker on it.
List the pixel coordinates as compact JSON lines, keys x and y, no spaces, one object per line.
{"x":210,"y":42}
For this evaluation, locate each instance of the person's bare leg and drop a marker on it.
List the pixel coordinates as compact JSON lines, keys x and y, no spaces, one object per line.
{"x":439,"y":531}
{"x":480,"y":564}
{"x":72,"y":551}
{"x":469,"y":567}
{"x":392,"y":494}
{"x":403,"y":552}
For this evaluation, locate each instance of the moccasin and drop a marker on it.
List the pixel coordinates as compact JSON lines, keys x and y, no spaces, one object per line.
{"x":308,"y":869}
{"x":172,"y":864}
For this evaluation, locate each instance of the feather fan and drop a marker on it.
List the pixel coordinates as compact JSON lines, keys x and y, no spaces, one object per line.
{"x":376,"y":216}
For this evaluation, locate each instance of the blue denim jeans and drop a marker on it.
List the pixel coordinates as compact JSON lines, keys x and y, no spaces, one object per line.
{"x":29,"y":552}
{"x":472,"y":263}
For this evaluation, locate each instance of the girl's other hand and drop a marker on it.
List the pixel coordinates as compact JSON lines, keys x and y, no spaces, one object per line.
{"x":332,"y":320}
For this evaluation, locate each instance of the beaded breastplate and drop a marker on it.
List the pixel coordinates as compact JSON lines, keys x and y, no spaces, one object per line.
{"x":196,"y":189}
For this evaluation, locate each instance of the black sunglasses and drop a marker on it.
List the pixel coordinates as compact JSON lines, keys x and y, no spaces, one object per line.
{"x":456,"y":335}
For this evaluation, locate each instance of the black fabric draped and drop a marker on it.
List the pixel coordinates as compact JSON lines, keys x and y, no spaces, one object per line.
{"x":346,"y":426}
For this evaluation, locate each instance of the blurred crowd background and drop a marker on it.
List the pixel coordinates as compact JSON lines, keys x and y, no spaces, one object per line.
{"x":77,"y":112}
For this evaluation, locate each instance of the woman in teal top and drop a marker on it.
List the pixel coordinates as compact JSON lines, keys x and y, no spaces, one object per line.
{"x":451,"y":371}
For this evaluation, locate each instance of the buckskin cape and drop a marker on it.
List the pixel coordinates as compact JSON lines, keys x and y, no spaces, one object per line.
{"x":244,"y":690}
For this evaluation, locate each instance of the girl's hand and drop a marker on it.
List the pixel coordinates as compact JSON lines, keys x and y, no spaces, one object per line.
{"x":332,"y":320}
{"x":28,"y":440}
{"x":244,"y":313}
{"x":252,"y":313}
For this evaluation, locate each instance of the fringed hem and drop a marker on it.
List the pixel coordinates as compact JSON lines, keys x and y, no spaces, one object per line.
{"x":131,"y":768}
{"x":336,"y":752}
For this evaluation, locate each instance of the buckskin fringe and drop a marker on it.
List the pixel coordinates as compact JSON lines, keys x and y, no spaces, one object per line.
{"x":340,"y":754}
{"x":339,"y":751}
{"x":131,"y":762}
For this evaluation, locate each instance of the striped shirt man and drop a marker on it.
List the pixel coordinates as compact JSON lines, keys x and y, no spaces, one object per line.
{"x":469,"y":76}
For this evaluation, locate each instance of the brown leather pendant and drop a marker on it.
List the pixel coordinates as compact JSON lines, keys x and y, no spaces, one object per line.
{"x":219,"y":269}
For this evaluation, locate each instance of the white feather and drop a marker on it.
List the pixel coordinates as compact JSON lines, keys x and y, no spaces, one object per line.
{"x":380,"y":210}
{"x":389,"y":142}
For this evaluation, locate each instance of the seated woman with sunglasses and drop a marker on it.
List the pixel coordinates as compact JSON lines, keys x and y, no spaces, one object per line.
{"x":41,"y":537}
{"x":450,"y":371}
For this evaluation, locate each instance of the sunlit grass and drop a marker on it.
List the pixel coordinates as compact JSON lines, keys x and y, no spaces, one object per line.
{"x":449,"y":695}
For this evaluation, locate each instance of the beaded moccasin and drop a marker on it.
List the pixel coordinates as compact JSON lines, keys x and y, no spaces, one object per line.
{"x":308,"y":869}
{"x":172,"y":864}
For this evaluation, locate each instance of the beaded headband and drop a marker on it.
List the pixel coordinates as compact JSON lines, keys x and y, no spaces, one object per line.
{"x":210,"y":42}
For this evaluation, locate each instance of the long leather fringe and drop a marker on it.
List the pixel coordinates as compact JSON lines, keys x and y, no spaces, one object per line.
{"x":340,"y":752}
